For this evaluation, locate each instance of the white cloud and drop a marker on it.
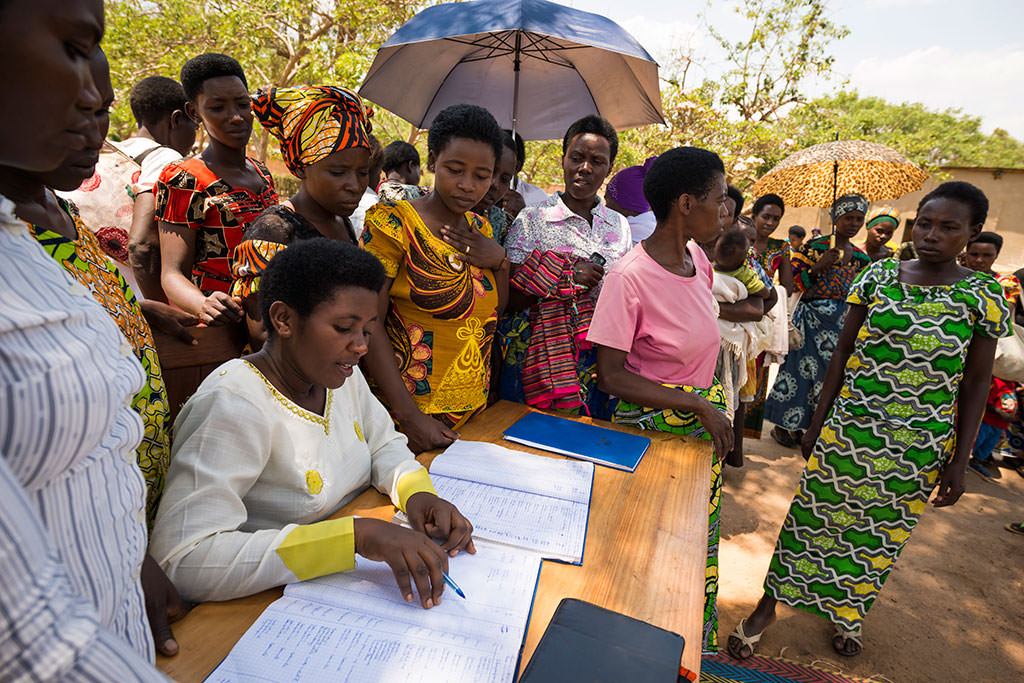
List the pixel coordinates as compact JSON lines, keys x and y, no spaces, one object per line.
{"x":979,"y":82}
{"x":661,"y":37}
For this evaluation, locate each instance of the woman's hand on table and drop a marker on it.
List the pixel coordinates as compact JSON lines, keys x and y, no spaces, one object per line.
{"x":425,"y":433}
{"x":163,"y":606}
{"x":474,"y":247}
{"x":440,"y":520}
{"x":412,"y":556}
{"x":717,"y":425}
{"x":220,"y":309}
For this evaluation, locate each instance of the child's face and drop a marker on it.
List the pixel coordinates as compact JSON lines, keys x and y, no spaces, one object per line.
{"x":943,"y":228}
{"x":795,"y":241}
{"x":729,"y":256}
{"x":462,"y":173}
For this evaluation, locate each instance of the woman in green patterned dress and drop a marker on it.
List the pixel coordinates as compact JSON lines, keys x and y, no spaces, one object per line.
{"x":899,"y":410}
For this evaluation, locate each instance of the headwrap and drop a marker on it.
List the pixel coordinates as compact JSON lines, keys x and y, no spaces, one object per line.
{"x":313,"y":122}
{"x":881,"y":215}
{"x":846,"y":204}
{"x":627,"y":187}
{"x":248,"y":263}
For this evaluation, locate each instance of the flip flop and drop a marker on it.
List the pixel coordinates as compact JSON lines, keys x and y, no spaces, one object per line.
{"x":744,"y":640}
{"x":843,"y":637}
{"x":1015,"y":528}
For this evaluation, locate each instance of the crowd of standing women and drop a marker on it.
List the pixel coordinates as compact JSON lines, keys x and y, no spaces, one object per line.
{"x":447,"y":298}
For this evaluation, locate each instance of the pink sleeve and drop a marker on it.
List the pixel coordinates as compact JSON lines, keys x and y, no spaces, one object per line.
{"x":617,"y":316}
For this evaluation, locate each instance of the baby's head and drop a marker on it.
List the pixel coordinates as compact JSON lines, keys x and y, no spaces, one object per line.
{"x":731,"y":250}
{"x":280,"y":224}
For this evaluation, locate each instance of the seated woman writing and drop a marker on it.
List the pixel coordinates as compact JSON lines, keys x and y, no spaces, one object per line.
{"x":446,"y":281}
{"x":657,"y":353}
{"x":274,"y":442}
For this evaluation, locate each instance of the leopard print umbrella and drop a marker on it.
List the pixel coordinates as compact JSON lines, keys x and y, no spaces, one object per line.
{"x":817,"y":175}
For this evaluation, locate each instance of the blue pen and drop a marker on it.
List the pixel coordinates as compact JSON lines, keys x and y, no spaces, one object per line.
{"x":454,"y":586}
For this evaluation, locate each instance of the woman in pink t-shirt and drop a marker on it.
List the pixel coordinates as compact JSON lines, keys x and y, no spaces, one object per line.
{"x":656,"y":328}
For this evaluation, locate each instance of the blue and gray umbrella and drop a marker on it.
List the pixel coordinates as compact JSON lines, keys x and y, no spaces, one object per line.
{"x":536,"y":65}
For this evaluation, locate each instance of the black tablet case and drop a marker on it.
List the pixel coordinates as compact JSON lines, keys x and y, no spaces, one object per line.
{"x":585,"y":642}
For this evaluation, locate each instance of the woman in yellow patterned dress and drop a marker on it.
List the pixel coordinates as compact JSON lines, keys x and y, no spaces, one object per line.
{"x":447,"y":281}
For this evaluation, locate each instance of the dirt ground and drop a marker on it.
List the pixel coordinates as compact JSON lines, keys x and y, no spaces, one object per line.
{"x":952,"y":608}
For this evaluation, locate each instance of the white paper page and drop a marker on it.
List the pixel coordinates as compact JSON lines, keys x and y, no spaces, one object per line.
{"x":354,"y":626}
{"x":553,"y":527}
{"x":490,"y":463}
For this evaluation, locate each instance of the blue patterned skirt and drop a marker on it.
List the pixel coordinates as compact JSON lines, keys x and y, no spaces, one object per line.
{"x":795,"y":393}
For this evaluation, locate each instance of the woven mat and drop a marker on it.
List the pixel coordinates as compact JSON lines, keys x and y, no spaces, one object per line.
{"x":722,"y":668}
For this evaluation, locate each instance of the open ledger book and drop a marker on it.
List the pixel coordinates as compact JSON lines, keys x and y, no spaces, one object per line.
{"x":519,"y":499}
{"x":355,"y":626}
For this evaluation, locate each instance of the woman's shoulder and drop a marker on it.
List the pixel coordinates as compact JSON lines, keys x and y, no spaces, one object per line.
{"x":191,"y":173}
{"x":236,"y":376}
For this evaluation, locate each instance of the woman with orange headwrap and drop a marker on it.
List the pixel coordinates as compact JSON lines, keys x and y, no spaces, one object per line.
{"x":325,"y":139}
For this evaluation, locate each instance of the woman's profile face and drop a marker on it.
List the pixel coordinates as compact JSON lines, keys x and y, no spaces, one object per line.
{"x":328,"y":344}
{"x":585,"y":166}
{"x":338,"y":181}
{"x":504,"y":171}
{"x":224,"y":107}
{"x":45,"y":48}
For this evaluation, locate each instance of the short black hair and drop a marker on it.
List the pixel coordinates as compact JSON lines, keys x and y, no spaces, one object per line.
{"x":768,"y":200}
{"x":280,"y":224}
{"x":202,"y":68}
{"x":992,"y":238}
{"x":514,"y":141}
{"x":797,"y":230}
{"x":596,"y":125}
{"x":737,"y":197}
{"x":464,"y":121}
{"x":968,"y":194}
{"x":155,"y":98}
{"x":732,"y":245}
{"x":397,"y":153}
{"x":679,"y":171}
{"x":309,"y":272}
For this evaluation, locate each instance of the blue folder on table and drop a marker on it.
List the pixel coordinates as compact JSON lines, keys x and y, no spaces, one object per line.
{"x":579,"y":440}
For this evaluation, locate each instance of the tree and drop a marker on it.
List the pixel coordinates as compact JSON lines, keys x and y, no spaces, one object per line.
{"x":929,"y":138}
{"x":278,"y":42}
{"x":788,"y":43}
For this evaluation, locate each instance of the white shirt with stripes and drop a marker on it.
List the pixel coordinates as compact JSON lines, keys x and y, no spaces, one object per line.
{"x":72,"y":498}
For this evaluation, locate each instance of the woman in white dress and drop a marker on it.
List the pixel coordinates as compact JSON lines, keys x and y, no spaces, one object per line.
{"x":273,"y":443}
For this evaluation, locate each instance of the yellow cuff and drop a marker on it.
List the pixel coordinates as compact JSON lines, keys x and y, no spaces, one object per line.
{"x":313,"y":550}
{"x":416,"y":481}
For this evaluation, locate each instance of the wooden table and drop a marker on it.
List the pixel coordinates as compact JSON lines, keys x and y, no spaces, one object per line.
{"x":645,"y":552}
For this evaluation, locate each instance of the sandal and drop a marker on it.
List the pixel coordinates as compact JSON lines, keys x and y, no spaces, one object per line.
{"x":736,"y":652}
{"x":1015,"y":528}
{"x":843,"y":638}
{"x":783,"y":437}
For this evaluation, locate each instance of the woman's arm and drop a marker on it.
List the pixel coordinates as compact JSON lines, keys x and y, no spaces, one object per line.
{"x":750,"y":309}
{"x":423,"y":431}
{"x":855,"y":315}
{"x":144,"y":246}
{"x":970,"y":406}
{"x":785,"y":271}
{"x":177,"y":254}
{"x":518,"y":300}
{"x":615,"y":379}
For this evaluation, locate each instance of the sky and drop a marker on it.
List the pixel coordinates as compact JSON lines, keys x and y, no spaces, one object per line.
{"x":943,"y":53}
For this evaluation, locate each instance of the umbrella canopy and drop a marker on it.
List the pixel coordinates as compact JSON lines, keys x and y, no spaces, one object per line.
{"x":537,"y":66}
{"x":817,"y":175}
